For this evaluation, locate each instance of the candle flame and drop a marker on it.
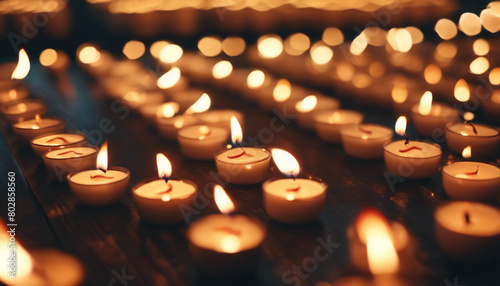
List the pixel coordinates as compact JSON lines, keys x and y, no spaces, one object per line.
{"x":102,"y":157}
{"x":282,"y":90}
{"x":467,"y":152}
{"x":481,"y":47}
{"x":321,"y":54}
{"x":399,"y":93}
{"x":230,"y":243}
{"x":256,"y":79}
{"x":169,"y":109}
{"x":403,"y":40}
{"x":401,"y":126}
{"x":163,"y":165}
{"x":222,"y":69}
{"x":494,"y":76}
{"x":48,"y":57}
{"x":170,"y":78}
{"x":307,"y":104}
{"x":171,"y":53}
{"x":201,"y":105}
{"x":470,"y":24}
{"x":23,"y":258}
{"x":133,"y":49}
{"x":462,"y":92}
{"x":432,"y":74}
{"x":89,"y":55}
{"x":286,"y":163}
{"x":236,"y":132}
{"x":479,"y":66}
{"x":23,"y":66}
{"x":468,"y":116}
{"x":12,"y":93}
{"x":425,"y":105}
{"x":446,"y":29}
{"x":270,"y":46}
{"x":222,"y":200}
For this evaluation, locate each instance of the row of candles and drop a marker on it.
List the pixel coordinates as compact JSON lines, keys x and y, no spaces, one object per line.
{"x":101,"y":186}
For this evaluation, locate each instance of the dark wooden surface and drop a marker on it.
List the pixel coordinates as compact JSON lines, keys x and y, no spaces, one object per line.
{"x":113,"y":239}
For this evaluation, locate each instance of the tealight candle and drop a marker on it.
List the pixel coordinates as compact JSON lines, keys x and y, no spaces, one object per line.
{"x":102,"y":186}
{"x":221,"y":117}
{"x":224,"y":245}
{"x":161,"y":201}
{"x":310,"y":105}
{"x":242,"y":165}
{"x":329,"y":123}
{"x":468,"y":231}
{"x":431,"y":118}
{"x":60,"y":162}
{"x":483,"y":140}
{"x":411,"y":159}
{"x":293,"y":200}
{"x":202,"y":141}
{"x":13,"y":94}
{"x":357,"y":235}
{"x":23,"y":109}
{"x":32,"y":128}
{"x":186,"y":98}
{"x":47,"y":142}
{"x":365,"y":141}
{"x":471,"y":180}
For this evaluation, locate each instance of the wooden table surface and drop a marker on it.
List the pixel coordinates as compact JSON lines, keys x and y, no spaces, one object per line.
{"x":113,"y":239}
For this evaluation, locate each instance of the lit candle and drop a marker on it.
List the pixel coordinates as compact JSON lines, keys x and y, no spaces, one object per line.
{"x":201,"y":141}
{"x":221,"y":117}
{"x":483,"y":139}
{"x":431,"y":118}
{"x":13,"y":94}
{"x":329,"y":123}
{"x":134,"y":98}
{"x":293,"y":200}
{"x":471,"y":180}
{"x":225,"y":245}
{"x":242,"y":165}
{"x":257,"y":80}
{"x":24,"y":109}
{"x":47,"y":142}
{"x":411,"y":159}
{"x":468,"y":231}
{"x":365,"y":141}
{"x":310,"y":105}
{"x":172,"y":81}
{"x":161,"y":201}
{"x":102,"y":186}
{"x":60,"y":162}
{"x":32,"y":128}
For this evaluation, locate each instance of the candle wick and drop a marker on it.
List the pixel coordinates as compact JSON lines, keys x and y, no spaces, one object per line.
{"x":293,"y":177}
{"x":407,"y":140}
{"x":467,"y":217}
{"x":103,"y":170}
{"x":165,"y":178}
{"x":473,"y":127}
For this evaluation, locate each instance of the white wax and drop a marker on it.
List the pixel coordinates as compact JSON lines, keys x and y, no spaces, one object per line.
{"x":294,"y":201}
{"x":37,"y":124}
{"x":30,"y":129}
{"x":415,"y":163}
{"x":168,"y":127}
{"x":249,"y":168}
{"x":157,"y":205}
{"x":221,"y":118}
{"x":329,"y":123}
{"x":305,"y":118}
{"x":475,"y":240}
{"x":96,"y":188}
{"x":435,"y":122}
{"x":72,"y":152}
{"x":365,"y":141}
{"x":483,"y":144}
{"x":462,"y":182}
{"x":201,"y":141}
{"x":23,"y":110}
{"x":13,"y":94}
{"x":45,"y":143}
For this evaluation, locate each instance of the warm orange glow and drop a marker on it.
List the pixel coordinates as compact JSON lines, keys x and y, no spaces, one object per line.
{"x":23,"y":66}
{"x":282,"y":90}
{"x":494,"y":7}
{"x":481,"y":47}
{"x":399,"y":93}
{"x":230,"y":243}
{"x":425,"y":105}
{"x":376,"y":69}
{"x":270,"y":46}
{"x":171,"y":53}
{"x":163,"y":166}
{"x":297,"y":44}
{"x":345,"y":71}
{"x":133,"y":49}
{"x":494,"y":76}
{"x":169,"y":79}
{"x":479,"y":65}
{"x":201,"y":105}
{"x":432,"y":74}
{"x":416,"y":34}
{"x":468,"y":116}
{"x":401,"y":126}
{"x":359,"y":44}
{"x":222,"y":200}
{"x":24,"y":261}
{"x":307,"y":104}
{"x":256,"y":79}
{"x":102,"y":157}
{"x":333,"y":36}
{"x":89,"y":55}
{"x":321,"y":54}
{"x":495,"y":97}
{"x":446,"y":29}
{"x":233,"y":46}
{"x":48,"y":57}
{"x":403,"y":40}
{"x":222,"y":69}
{"x":467,"y":152}
{"x":462,"y":92}
{"x":490,"y":17}
{"x":210,"y":46}
{"x":169,"y":109}
{"x":156,"y":47}
{"x":286,"y":163}
{"x":236,"y":132}
{"x":445,"y":51}
{"x":470,"y":24}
